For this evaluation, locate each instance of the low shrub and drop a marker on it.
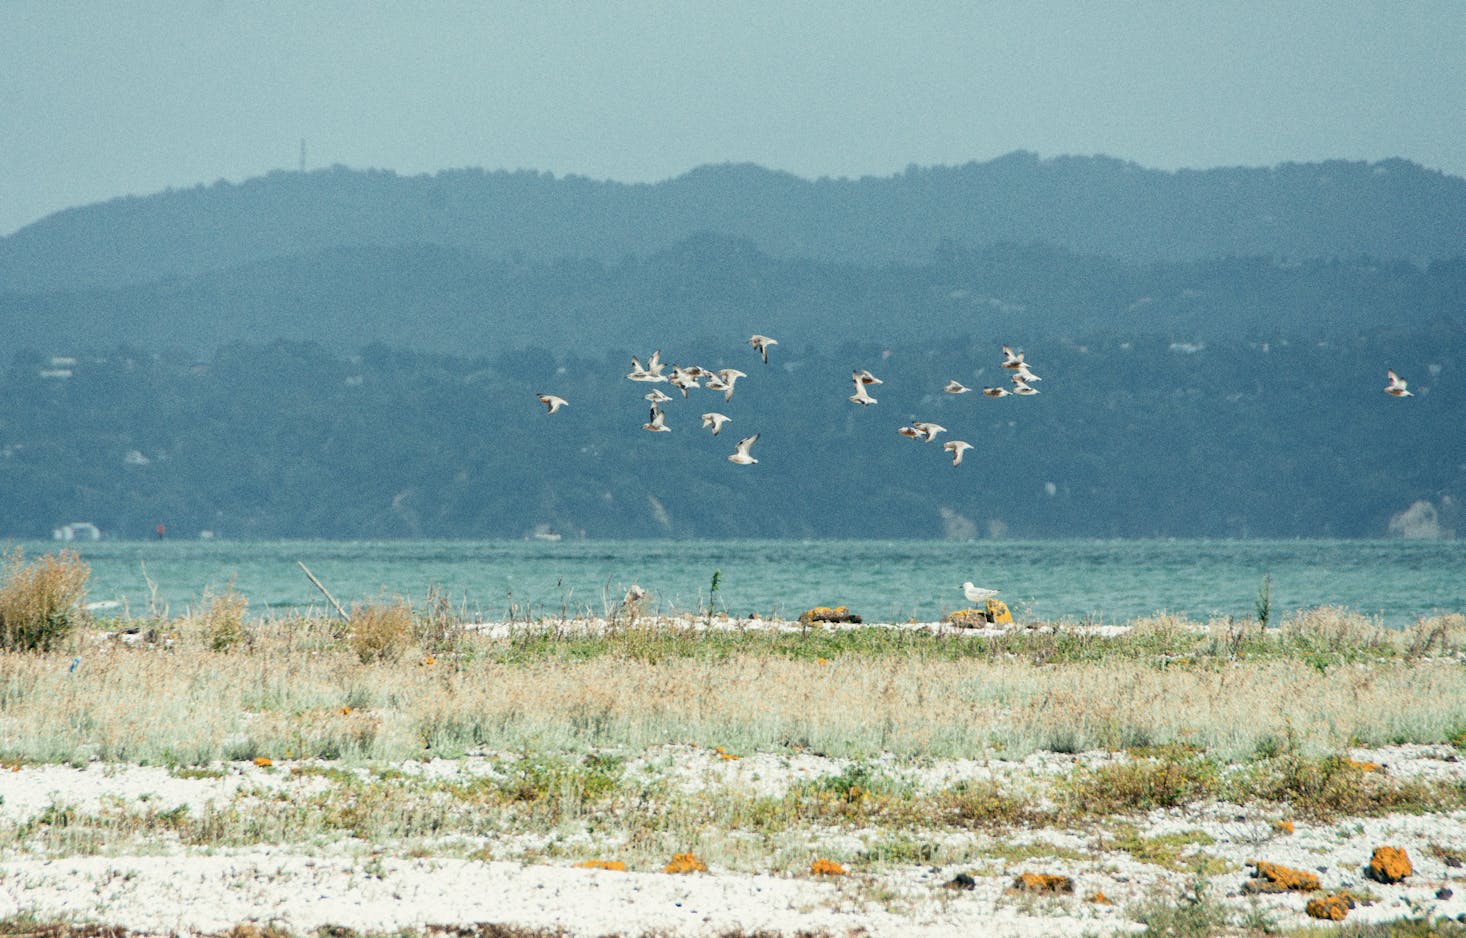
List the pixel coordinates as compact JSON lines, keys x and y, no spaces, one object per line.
{"x":1139,"y":785}
{"x":381,"y":632}
{"x":40,"y":603}
{"x":220,"y":621}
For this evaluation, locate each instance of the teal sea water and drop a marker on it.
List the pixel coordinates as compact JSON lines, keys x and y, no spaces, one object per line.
{"x":1102,"y":581}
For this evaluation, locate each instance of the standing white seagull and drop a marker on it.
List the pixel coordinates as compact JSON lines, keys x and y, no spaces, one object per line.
{"x":956,"y":448}
{"x":977,"y":594}
{"x":740,"y":455}
{"x":714,"y":422}
{"x":761,"y":344}
{"x":1397,"y":386}
{"x":552,"y":402}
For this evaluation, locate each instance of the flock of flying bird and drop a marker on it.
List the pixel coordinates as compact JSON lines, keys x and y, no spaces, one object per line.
{"x":725,"y":379}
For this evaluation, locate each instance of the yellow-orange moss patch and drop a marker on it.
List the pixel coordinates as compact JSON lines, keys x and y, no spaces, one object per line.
{"x":823,"y":614}
{"x":616,"y":865}
{"x":968,"y":618}
{"x":1098,"y":898}
{"x":1366,"y":766}
{"x":685,"y":863}
{"x":826,"y":868}
{"x":1043,"y":882}
{"x":1389,"y":865}
{"x":1332,"y":907}
{"x":264,"y":762}
{"x":1283,"y":827}
{"x":1274,"y":877}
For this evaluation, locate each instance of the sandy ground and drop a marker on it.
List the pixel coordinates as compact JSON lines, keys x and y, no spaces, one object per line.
{"x":167,"y":889}
{"x":596,"y":625}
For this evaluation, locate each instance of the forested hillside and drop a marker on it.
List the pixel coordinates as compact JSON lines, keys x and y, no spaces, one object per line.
{"x":1144,"y":437}
{"x":349,"y":354}
{"x":435,"y":299}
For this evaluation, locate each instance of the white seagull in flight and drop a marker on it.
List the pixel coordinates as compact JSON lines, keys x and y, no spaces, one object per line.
{"x":714,"y":422}
{"x":1397,"y":386}
{"x":740,"y":455}
{"x":761,"y":344}
{"x":729,"y":377}
{"x":927,"y":430}
{"x":658,"y":422}
{"x":552,"y":402}
{"x":956,"y":448}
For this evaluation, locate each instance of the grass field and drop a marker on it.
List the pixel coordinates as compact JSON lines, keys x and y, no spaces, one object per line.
{"x":414,"y":735}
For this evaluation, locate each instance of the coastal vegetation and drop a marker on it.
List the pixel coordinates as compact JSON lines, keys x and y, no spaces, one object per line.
{"x":740,"y":746}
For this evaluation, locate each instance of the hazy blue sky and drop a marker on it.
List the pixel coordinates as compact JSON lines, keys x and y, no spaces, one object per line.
{"x":106,"y":98}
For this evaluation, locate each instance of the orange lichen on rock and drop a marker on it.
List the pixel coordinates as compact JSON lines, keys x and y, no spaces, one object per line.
{"x":1388,"y":865}
{"x":1333,"y":906}
{"x":727,"y":756}
{"x":1365,"y":766}
{"x":685,"y":863}
{"x":264,"y":762}
{"x":1098,"y":898}
{"x":616,"y":865}
{"x":1283,"y":827}
{"x":1274,"y":877}
{"x":826,"y":614}
{"x":826,"y":868}
{"x":1043,"y":882}
{"x":968,"y":618}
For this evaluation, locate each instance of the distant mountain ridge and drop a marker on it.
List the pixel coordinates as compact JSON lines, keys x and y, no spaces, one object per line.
{"x":451,"y":301}
{"x":1391,"y":210}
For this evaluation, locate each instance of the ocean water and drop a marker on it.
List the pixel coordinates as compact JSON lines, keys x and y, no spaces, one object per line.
{"x":1101,"y":581}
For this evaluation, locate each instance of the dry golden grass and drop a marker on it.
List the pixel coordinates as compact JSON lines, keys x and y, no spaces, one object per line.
{"x":284,"y":690}
{"x":40,"y":602}
{"x":219,"y":622}
{"x":381,"y":632}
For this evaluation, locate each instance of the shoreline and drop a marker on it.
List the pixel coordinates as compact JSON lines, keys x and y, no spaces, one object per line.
{"x":410,"y":771}
{"x":159,"y":887}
